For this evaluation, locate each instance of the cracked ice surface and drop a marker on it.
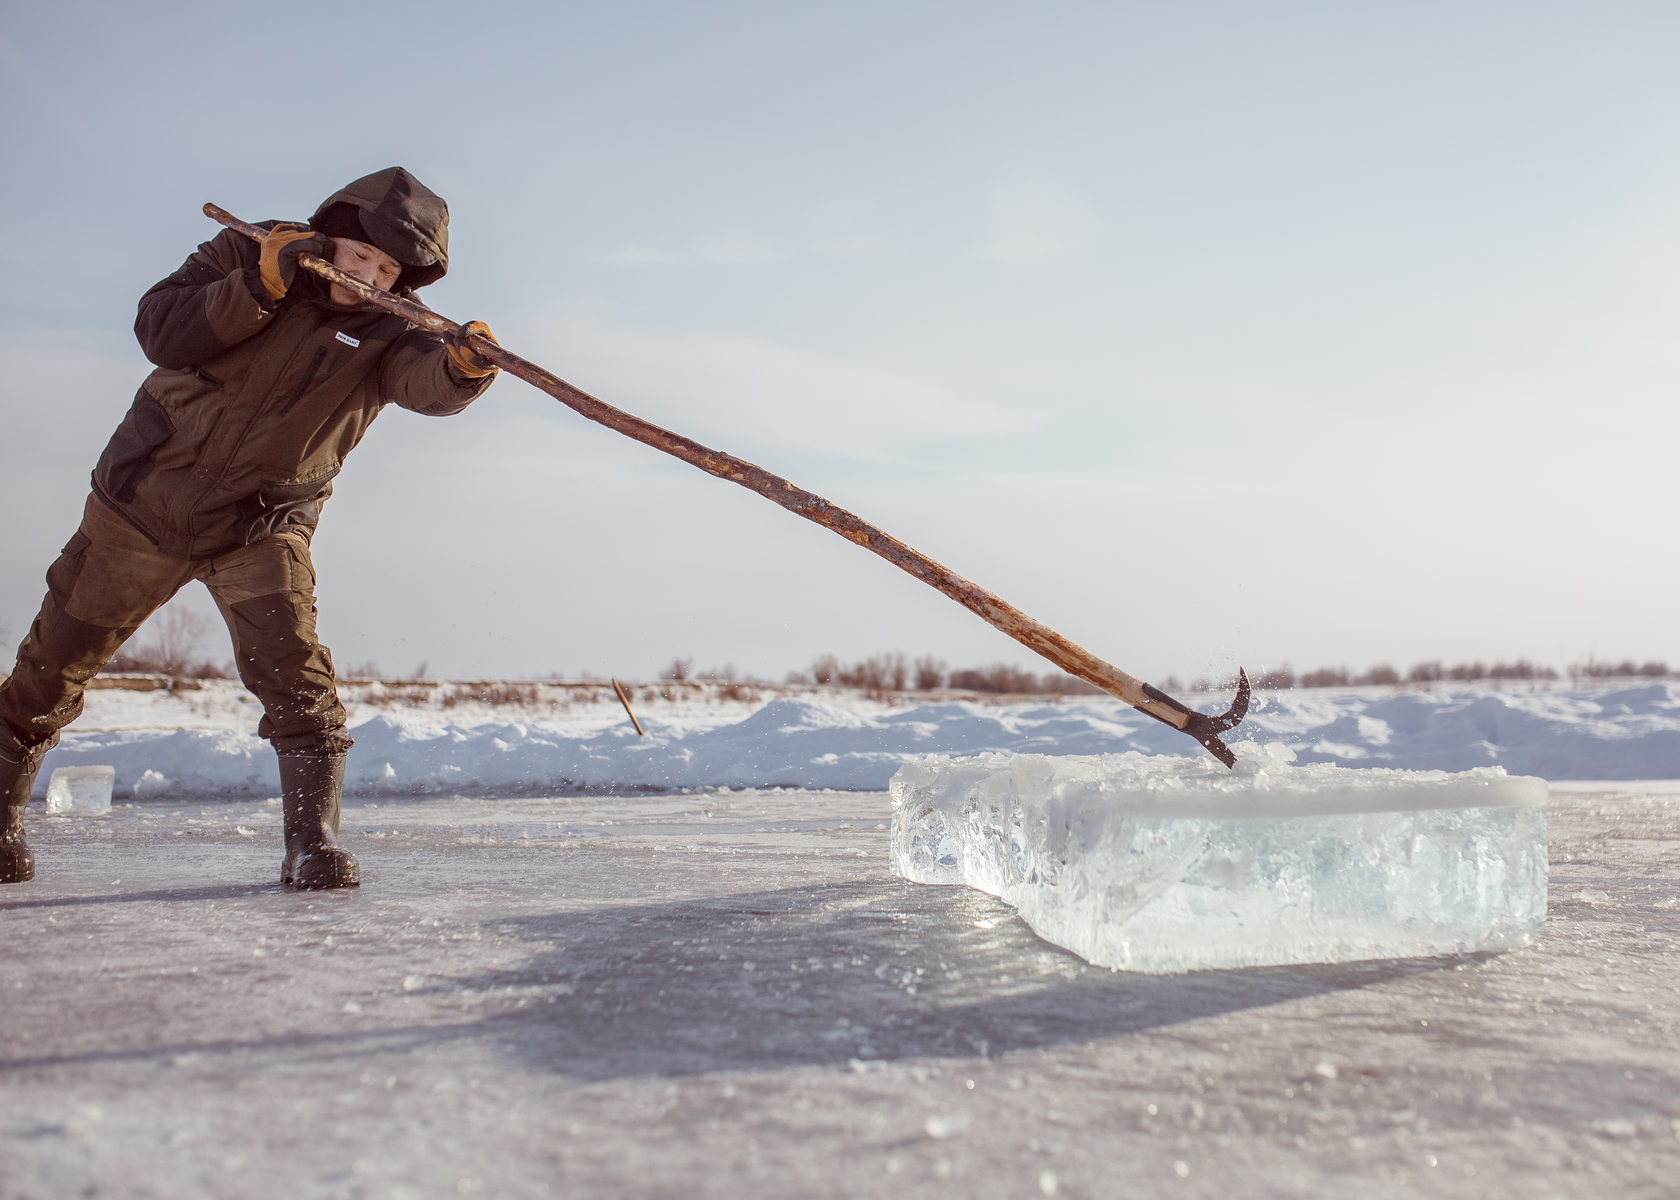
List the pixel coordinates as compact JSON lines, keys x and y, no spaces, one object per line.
{"x":1161,"y":864}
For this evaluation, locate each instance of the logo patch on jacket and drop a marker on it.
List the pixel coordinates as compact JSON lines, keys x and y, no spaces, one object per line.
{"x":347,"y":339}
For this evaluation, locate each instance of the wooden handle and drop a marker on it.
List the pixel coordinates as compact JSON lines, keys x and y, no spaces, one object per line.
{"x":994,"y":610}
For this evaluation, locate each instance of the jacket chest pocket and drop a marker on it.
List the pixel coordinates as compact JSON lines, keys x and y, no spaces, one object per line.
{"x":309,"y":373}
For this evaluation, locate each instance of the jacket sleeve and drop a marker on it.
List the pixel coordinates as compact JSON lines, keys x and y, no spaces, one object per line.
{"x":416,"y":374}
{"x":211,"y":303}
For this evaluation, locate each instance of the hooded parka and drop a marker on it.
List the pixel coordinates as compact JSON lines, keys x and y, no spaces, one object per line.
{"x":255,"y":404}
{"x":220,"y":468}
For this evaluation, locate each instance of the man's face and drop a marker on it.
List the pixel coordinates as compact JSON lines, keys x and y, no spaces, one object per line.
{"x":368,"y":263}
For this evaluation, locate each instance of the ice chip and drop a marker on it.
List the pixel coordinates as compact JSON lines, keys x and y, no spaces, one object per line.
{"x":81,"y":789}
{"x":1163,"y":864}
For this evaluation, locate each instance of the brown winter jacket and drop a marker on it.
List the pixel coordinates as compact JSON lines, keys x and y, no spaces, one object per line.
{"x":255,"y":404}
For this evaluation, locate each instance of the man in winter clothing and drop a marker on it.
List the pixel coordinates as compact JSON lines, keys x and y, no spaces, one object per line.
{"x":267,"y":377}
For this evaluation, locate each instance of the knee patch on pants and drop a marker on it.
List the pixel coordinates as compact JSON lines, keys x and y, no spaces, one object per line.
{"x":104,"y":584}
{"x":267,"y":594}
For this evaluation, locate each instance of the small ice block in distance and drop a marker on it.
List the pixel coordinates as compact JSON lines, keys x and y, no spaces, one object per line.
{"x":1160,"y":864}
{"x":81,"y":789}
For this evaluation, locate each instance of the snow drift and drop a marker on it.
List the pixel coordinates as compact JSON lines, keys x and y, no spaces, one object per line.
{"x":204,"y":743}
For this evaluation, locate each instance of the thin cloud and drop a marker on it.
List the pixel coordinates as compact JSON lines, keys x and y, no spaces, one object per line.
{"x":742,"y":252}
{"x":747,"y":252}
{"x":1035,"y":221}
{"x":732,"y":252}
{"x":640,"y":256}
{"x":721,"y":386}
{"x":857,"y":245}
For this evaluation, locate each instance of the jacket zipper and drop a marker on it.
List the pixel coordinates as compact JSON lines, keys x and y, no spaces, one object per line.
{"x":308,"y":378}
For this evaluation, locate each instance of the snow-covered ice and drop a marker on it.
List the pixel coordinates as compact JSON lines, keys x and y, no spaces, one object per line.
{"x":80,"y":789}
{"x":1161,"y":864}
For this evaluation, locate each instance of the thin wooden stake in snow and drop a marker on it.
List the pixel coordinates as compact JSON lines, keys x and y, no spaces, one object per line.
{"x":1039,"y":638}
{"x":625,"y":700}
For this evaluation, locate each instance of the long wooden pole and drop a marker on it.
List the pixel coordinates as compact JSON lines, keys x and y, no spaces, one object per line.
{"x":1037,"y":637}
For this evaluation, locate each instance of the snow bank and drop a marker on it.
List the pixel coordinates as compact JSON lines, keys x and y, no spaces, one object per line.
{"x":167,"y":745}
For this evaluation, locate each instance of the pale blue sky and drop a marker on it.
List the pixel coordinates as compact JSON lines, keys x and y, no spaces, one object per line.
{"x":1207,"y":333}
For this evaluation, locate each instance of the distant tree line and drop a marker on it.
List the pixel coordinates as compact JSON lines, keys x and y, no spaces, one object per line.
{"x":898,"y":673}
{"x":1435,"y":671}
{"x":176,"y":636}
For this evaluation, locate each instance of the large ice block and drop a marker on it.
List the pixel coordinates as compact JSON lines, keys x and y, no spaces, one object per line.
{"x":1161,"y":864}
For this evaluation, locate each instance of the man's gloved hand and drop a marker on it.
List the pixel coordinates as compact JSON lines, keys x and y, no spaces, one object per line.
{"x":466,"y":363}
{"x":278,"y":252}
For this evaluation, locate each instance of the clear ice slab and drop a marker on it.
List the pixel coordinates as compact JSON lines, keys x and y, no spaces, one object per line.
{"x":80,"y":789}
{"x":1159,"y":864}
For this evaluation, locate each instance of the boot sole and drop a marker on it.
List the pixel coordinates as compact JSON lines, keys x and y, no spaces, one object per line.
{"x":321,"y":885}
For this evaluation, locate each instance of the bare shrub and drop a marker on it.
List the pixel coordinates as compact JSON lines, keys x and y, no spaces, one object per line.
{"x":1060,"y":683}
{"x":859,"y":675}
{"x":1381,"y":675}
{"x":1626,"y":669}
{"x":1467,"y":672}
{"x":969,"y":680}
{"x":1521,"y":669}
{"x":1325,"y":677}
{"x":1278,"y":678}
{"x":824,"y":670}
{"x":1004,"y":678}
{"x":1427,"y":672}
{"x":384,"y":696}
{"x":930,"y":673}
{"x":174,"y":648}
{"x":679,"y":670}
{"x":523,"y":695}
{"x":877,"y":673}
{"x":497,"y":695}
{"x":999,"y":677}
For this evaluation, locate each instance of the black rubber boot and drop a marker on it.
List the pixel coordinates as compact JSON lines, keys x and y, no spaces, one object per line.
{"x":17,"y":778}
{"x":310,"y":786}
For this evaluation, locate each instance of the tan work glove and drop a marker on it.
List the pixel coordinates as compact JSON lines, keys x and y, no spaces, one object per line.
{"x":277,"y":260}
{"x":466,"y":363}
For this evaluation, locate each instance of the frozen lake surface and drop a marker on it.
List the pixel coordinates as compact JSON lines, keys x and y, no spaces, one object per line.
{"x":729,"y":993}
